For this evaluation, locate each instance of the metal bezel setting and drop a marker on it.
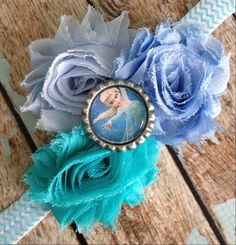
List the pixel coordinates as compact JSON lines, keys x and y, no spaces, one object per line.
{"x":150,"y":116}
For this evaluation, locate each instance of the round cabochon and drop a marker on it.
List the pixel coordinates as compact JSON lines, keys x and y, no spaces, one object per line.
{"x":118,"y":115}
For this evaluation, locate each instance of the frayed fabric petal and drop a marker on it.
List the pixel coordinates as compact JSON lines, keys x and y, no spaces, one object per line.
{"x":184,"y":72}
{"x":68,"y":66}
{"x":82,"y":182}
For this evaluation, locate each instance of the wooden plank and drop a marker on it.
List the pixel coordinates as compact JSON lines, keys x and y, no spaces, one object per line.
{"x":212,"y":168}
{"x":143,"y":13}
{"x":14,"y":161}
{"x":179,"y":214}
{"x":168,"y":216}
{"x":16,"y":19}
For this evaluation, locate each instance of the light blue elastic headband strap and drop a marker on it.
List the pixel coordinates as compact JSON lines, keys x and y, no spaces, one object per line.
{"x":18,"y":219}
{"x":22,"y":216}
{"x":209,"y":14}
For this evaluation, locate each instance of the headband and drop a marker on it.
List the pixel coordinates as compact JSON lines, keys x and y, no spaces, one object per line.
{"x":91,"y":169}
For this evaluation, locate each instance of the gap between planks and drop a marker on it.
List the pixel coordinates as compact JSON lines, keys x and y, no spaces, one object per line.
{"x":205,"y":210}
{"x":173,"y":154}
{"x":33,"y":147}
{"x":178,"y":162}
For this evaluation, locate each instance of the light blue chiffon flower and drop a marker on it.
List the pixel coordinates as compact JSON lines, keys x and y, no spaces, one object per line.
{"x":184,"y":73}
{"x":82,"y":182}
{"x":79,"y":57}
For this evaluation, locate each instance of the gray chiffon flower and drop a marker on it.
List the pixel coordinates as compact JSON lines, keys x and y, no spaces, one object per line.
{"x":66,"y":67}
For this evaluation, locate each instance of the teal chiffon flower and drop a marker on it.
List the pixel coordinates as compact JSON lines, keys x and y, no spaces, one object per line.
{"x":82,"y":182}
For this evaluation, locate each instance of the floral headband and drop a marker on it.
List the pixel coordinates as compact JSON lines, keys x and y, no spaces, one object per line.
{"x":114,"y":95}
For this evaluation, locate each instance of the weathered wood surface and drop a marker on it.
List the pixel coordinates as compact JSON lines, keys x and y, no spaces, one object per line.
{"x":170,"y":213}
{"x":16,"y":19}
{"x":153,"y":222}
{"x":21,"y":22}
{"x":14,"y":161}
{"x":212,"y":168}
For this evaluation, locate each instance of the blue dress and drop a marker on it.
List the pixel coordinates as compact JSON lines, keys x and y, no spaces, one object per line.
{"x":131,"y":119}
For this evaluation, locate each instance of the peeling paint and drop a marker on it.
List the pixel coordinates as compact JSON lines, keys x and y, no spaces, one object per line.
{"x":6,"y":147}
{"x":4,"y":71}
{"x":17,"y":99}
{"x":13,"y":132}
{"x":190,"y":4}
{"x":226,"y":214}
{"x":196,"y":238}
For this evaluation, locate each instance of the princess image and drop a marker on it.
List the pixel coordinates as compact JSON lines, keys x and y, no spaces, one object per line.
{"x":124,"y":118}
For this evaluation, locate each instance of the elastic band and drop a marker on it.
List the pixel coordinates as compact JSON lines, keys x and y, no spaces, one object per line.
{"x":23,"y":215}
{"x":20,"y":218}
{"x":210,"y":14}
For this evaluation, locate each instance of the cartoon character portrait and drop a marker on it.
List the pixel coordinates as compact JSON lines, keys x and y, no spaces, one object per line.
{"x":118,"y":115}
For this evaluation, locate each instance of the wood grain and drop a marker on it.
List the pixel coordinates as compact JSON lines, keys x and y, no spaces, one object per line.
{"x":16,"y":19}
{"x":170,"y":213}
{"x":21,"y":23}
{"x":143,"y":13}
{"x":14,"y":161}
{"x":212,"y":168}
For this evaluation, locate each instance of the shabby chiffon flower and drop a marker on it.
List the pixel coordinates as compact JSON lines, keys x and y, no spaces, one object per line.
{"x":79,"y":57}
{"x":184,"y":73}
{"x":82,"y":182}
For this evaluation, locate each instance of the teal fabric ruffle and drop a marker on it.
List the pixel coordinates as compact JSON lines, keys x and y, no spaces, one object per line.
{"x":82,"y":182}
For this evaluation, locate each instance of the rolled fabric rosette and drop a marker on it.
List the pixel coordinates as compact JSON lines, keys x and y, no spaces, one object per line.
{"x":182,"y":70}
{"x":83,"y":183}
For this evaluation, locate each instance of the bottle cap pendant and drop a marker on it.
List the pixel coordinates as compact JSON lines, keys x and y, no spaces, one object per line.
{"x":119,"y":115}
